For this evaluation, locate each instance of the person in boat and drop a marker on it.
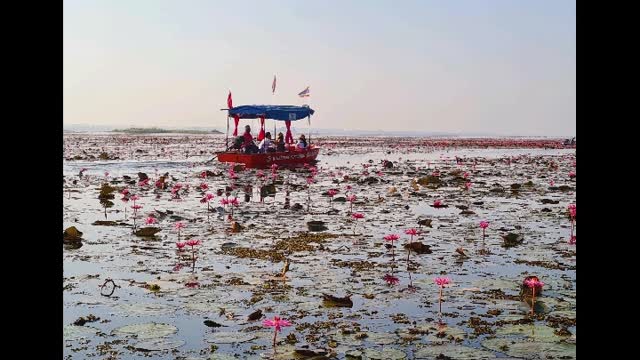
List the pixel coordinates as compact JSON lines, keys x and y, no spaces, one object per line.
{"x":249,"y":146}
{"x":238,"y":141}
{"x":280,"y":146}
{"x":266,"y":145}
{"x":302,"y":142}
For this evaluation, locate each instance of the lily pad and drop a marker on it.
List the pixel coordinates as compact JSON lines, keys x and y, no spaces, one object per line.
{"x":147,"y":331}
{"x":541,"y":333}
{"x":381,"y":338}
{"x":529,"y":350}
{"x":166,"y":286}
{"x":458,"y":352}
{"x":450,"y":333}
{"x":158,"y":344}
{"x":567,"y":314}
{"x":221,"y":357}
{"x":391,"y":354}
{"x":73,"y":332}
{"x":145,"y":309}
{"x":501,"y":284}
{"x":147,"y":231}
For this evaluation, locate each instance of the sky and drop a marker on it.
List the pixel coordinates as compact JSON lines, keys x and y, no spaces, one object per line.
{"x":484,"y":66}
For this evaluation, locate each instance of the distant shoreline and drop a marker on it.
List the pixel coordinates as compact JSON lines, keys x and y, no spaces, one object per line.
{"x":163,"y":131}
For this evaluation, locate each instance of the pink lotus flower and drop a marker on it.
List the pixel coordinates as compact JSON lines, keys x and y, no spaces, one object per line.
{"x":124,"y":191}
{"x":204,"y":187}
{"x":392,"y":238}
{"x":466,"y":175}
{"x":348,"y":188}
{"x":572,"y":240}
{"x":135,"y":197}
{"x":150,"y":220}
{"x":224,"y":202}
{"x":357,"y":215}
{"x":572,"y":210}
{"x":467,"y":185}
{"x":125,"y":199}
{"x":106,"y":173}
{"x":411,"y":232}
{"x":572,"y":174}
{"x":441,"y":281}
{"x":181,"y":245}
{"x":274,"y":167}
{"x":260,"y":174}
{"x":379,"y":173}
{"x":534,"y":283}
{"x":351,"y":198}
{"x":192,"y":284}
{"x":179,"y":225}
{"x":193,"y":243}
{"x":136,"y":207}
{"x":332,"y":192}
{"x":437,"y":203}
{"x":391,"y":280}
{"x":159,"y":184}
{"x":310,"y":180}
{"x":552,"y":182}
{"x":203,"y":174}
{"x":206,"y":198}
{"x":276,"y":322}
{"x":144,"y":182}
{"x":234,"y":202}
{"x":484,"y":224}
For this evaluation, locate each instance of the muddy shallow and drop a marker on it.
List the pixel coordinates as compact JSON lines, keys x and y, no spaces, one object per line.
{"x":162,"y":297}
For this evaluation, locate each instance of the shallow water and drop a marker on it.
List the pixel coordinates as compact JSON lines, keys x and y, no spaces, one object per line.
{"x":403,"y":317}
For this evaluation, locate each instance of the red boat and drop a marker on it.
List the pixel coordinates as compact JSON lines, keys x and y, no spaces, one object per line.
{"x":291,"y":156}
{"x":261,"y":161}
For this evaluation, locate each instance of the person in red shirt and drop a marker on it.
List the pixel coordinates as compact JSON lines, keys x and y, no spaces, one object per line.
{"x":249,"y":146}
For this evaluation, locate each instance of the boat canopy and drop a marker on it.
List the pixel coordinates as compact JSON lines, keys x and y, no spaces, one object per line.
{"x":273,"y":112}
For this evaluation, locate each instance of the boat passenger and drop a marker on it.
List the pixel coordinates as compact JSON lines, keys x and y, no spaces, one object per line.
{"x":280,"y":146}
{"x":237,"y":143}
{"x":266,"y":145}
{"x":249,"y":146}
{"x":302,"y":142}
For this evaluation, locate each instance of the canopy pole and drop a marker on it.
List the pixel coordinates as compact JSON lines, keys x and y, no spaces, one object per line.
{"x":226,"y":139}
{"x":309,"y":119}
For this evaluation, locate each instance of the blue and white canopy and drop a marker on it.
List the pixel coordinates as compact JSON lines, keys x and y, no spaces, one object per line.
{"x":274,"y":112}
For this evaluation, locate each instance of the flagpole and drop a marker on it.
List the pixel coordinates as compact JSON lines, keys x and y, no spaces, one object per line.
{"x":273,"y":97}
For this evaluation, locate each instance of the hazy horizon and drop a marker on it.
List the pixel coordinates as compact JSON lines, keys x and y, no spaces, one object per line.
{"x":495,"y":67}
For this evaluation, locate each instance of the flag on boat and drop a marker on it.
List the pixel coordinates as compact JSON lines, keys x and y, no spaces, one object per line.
{"x":273,"y":85}
{"x":229,"y":101}
{"x":304,"y":93}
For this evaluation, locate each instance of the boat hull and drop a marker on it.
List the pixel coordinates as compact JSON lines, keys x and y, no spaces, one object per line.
{"x":295,"y":157}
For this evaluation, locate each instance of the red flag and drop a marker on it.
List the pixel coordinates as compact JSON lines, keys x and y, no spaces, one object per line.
{"x":229,"y":101}
{"x":273,"y":86}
